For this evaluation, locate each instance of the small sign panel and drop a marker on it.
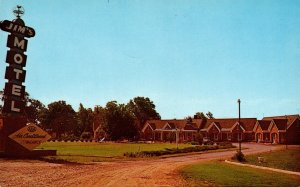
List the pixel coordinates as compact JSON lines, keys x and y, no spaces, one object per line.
{"x":15,"y":74}
{"x":14,"y":41}
{"x":30,"y":136}
{"x":12,"y":89}
{"x":13,"y":105}
{"x":12,"y":27}
{"x":16,"y":58}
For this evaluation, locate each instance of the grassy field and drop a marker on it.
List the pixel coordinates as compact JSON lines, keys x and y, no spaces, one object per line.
{"x":91,"y":151}
{"x":285,"y":159}
{"x":217,"y":173}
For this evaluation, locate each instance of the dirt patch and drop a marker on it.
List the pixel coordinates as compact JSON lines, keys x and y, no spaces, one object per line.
{"x":156,"y":172}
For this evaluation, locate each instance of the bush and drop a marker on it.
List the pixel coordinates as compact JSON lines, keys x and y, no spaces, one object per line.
{"x":168,"y":151}
{"x":239,"y":156}
{"x":226,"y":144}
{"x":194,"y":143}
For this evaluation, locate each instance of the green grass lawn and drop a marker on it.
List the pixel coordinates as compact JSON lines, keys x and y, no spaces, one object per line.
{"x":217,"y":173}
{"x":284,"y":159}
{"x":103,"y":150}
{"x":82,"y":152}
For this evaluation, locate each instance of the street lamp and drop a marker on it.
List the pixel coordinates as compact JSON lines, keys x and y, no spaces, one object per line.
{"x":240,"y":134}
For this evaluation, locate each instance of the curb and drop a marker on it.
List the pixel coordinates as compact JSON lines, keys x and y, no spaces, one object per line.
{"x":265,"y":168}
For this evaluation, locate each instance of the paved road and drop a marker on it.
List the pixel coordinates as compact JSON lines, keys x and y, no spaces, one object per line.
{"x":150,"y":172}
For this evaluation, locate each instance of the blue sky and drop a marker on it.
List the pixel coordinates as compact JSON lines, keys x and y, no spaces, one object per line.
{"x":186,"y":56}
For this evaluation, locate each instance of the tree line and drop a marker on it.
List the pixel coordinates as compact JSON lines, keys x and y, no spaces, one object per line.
{"x":114,"y":121}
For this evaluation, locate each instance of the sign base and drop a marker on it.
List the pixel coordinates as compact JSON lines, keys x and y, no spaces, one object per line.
{"x":11,"y":149}
{"x":29,"y":154}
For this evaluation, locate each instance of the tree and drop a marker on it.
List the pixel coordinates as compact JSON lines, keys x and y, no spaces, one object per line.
{"x":60,"y":118}
{"x":99,"y":122}
{"x":85,"y":121}
{"x":189,"y":119}
{"x":32,"y":110}
{"x":209,"y":115}
{"x":143,"y":109}
{"x":120,"y":121}
{"x":200,"y":115}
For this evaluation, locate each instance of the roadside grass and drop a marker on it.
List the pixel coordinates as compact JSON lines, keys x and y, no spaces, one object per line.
{"x":95,"y":152}
{"x":174,"y":151}
{"x":217,"y":173}
{"x":288,"y":159}
{"x":83,"y":152}
{"x":105,"y":149}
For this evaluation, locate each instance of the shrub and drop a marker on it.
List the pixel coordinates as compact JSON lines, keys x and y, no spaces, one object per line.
{"x":239,"y":156}
{"x":169,"y":151}
{"x":225,"y":144}
{"x":194,"y":143}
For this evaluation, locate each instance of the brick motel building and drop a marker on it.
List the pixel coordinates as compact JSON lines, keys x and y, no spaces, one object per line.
{"x":276,"y":130}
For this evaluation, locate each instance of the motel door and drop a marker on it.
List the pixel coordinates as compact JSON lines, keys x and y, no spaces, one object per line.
{"x":258,"y":137}
{"x":274,"y":137}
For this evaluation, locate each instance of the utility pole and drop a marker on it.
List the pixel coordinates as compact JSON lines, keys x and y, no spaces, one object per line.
{"x":240,"y":134}
{"x":286,"y":147}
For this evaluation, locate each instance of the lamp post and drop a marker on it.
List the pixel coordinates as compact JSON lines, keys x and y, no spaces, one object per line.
{"x":240,"y":134}
{"x":286,"y":132}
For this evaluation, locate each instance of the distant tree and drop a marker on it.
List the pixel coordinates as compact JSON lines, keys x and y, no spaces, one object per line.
{"x":189,"y":119}
{"x":99,"y":123}
{"x":200,"y":115}
{"x":143,"y":109}
{"x":33,"y":109}
{"x":60,"y":118}
{"x":120,"y":121}
{"x":209,"y":115}
{"x":84,"y":121}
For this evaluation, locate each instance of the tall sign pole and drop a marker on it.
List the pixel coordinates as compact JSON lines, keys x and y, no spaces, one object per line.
{"x":12,"y":117}
{"x":14,"y":91}
{"x":240,"y":130}
{"x":17,"y":137}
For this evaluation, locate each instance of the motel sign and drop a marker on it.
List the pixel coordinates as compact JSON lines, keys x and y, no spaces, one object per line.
{"x":14,"y":91}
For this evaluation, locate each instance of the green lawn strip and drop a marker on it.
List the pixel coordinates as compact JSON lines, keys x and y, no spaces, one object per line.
{"x":195,"y":153}
{"x":105,"y":149}
{"x":82,"y":152}
{"x":216,"y":173}
{"x":282,"y":159}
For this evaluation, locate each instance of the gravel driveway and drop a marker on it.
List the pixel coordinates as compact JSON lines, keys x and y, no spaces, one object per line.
{"x":150,"y":172}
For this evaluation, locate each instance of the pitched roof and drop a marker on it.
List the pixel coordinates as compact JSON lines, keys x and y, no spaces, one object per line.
{"x":191,"y":126}
{"x":216,"y":124}
{"x":174,"y":123}
{"x":228,"y":123}
{"x":280,"y":123}
{"x":290,"y":118}
{"x":264,"y":124}
{"x":153,"y":126}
